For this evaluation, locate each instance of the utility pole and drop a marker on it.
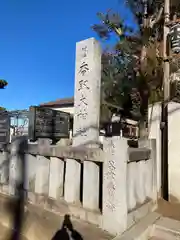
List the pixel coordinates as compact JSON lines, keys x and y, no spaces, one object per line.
{"x":164,"y":117}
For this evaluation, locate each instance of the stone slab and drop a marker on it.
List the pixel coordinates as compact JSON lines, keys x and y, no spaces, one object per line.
{"x":142,"y":230}
{"x":56,"y":178}
{"x":81,"y":153}
{"x":167,"y":228}
{"x":42,"y":176}
{"x":140,"y":212}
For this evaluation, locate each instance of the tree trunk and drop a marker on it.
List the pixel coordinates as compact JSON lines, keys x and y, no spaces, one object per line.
{"x":143,"y":121}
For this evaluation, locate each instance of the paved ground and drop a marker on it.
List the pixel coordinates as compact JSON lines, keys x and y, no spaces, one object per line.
{"x":155,"y":238}
{"x":169,"y":209}
{"x":4,"y":232}
{"x":45,"y":227}
{"x":40,"y":224}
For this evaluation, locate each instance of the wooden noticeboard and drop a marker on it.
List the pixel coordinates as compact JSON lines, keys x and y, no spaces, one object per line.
{"x":48,"y":123}
{"x":4,"y":128}
{"x":174,"y":36}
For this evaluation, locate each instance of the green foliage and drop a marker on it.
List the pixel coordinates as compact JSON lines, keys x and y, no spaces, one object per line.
{"x":132,"y":72}
{"x":119,"y":73}
{"x":2,"y":109}
{"x":3,"y":83}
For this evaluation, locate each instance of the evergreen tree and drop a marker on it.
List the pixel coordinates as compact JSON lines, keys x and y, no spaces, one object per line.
{"x":132,"y":72}
{"x":3,"y":84}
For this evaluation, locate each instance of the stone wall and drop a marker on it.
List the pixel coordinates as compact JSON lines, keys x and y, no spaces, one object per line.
{"x":92,"y":184}
{"x":173,"y":145}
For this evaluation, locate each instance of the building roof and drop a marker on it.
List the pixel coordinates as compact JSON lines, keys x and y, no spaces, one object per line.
{"x":62,"y":102}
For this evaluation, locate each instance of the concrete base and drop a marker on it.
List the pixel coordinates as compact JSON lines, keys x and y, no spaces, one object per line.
{"x":61,"y":207}
{"x":142,"y":230}
{"x":167,"y":229}
{"x":153,"y":226}
{"x":140,"y":212}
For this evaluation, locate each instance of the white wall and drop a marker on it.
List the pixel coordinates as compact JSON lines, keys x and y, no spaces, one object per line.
{"x":174,"y":149}
{"x":173,"y":144}
{"x":67,"y":109}
{"x":155,"y":133}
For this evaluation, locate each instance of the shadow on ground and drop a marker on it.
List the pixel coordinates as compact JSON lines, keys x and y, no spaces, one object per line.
{"x":169,"y":209}
{"x":67,"y":231}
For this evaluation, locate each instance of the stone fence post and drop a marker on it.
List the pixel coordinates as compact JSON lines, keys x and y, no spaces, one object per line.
{"x":17,"y":166}
{"x":42,"y":171}
{"x":152,"y":146}
{"x":115,"y":185}
{"x":4,"y":171}
{"x":152,"y":168}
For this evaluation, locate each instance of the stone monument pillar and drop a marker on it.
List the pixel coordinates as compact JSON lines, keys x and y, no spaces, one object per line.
{"x":87,"y":92}
{"x":115,"y":185}
{"x":86,"y":122}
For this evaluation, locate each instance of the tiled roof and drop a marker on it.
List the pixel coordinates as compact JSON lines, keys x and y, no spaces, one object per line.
{"x":59,"y":102}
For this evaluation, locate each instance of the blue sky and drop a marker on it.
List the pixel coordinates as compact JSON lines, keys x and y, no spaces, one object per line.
{"x":37,"y":47}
